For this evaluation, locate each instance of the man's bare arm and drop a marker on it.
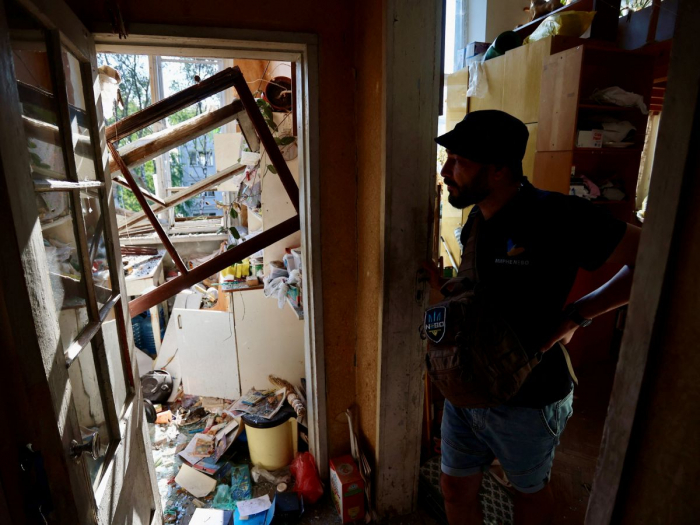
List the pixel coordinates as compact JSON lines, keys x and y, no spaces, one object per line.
{"x":612,"y":295}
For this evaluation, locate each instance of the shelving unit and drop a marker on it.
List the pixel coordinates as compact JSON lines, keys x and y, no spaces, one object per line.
{"x":569,"y":80}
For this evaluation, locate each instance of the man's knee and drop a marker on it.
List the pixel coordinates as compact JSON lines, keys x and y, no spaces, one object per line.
{"x":460,"y":489}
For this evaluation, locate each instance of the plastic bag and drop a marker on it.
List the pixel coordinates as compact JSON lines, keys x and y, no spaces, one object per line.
{"x":276,"y":287}
{"x":478,"y":85}
{"x":276,"y":477}
{"x":571,"y":23}
{"x":307,"y":482}
{"x":619,"y":97}
{"x":223,"y":499}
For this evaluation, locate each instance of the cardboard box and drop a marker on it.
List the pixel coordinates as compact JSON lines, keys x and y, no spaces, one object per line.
{"x":590,"y":139}
{"x":348,"y":489}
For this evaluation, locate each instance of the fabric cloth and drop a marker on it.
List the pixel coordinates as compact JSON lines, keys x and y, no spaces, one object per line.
{"x":523,"y":439}
{"x":528,"y":255}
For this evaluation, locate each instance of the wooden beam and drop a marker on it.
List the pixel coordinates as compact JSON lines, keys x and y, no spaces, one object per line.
{"x":215,"y":265}
{"x":672,"y":172}
{"x":150,"y":146}
{"x":653,"y":21}
{"x":122,"y":182}
{"x":147,"y":209}
{"x":158,"y":111}
{"x":268,"y":141}
{"x":182,"y":196}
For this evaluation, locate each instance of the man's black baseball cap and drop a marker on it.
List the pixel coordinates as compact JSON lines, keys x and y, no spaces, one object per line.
{"x":487,"y":137}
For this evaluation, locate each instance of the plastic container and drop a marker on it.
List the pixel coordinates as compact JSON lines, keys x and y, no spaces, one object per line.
{"x":296,"y":253}
{"x":272,"y":443}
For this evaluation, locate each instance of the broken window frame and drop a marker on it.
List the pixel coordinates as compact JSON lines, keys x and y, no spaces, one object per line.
{"x":230,"y":77}
{"x":91,"y":335}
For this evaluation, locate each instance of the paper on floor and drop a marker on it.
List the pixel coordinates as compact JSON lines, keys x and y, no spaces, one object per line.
{"x":190,"y":452}
{"x":194,"y":482}
{"x":254,"y":506}
{"x":212,"y":517}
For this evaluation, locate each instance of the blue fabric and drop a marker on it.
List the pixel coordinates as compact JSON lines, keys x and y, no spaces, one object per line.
{"x":523,"y":439}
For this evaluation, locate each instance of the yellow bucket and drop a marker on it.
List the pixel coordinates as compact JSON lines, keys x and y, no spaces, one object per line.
{"x":272,"y":443}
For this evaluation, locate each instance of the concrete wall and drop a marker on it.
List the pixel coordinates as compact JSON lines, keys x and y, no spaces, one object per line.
{"x":333,"y":22}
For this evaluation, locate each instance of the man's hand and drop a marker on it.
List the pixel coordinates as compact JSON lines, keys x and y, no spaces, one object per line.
{"x":563,"y":333}
{"x":433,"y":275}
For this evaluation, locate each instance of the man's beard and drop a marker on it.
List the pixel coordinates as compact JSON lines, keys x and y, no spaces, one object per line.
{"x":476,"y":192}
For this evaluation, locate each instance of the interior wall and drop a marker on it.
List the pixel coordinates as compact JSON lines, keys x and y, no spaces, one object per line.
{"x":369,"y":85}
{"x":504,"y":15}
{"x":476,"y":21}
{"x":333,"y":22}
{"x":659,"y":480}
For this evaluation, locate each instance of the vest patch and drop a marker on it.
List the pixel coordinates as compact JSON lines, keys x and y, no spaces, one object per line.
{"x":435,"y":323}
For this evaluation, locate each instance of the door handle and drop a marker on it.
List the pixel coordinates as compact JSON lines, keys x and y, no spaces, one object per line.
{"x":90,"y":444}
{"x":179,"y":322}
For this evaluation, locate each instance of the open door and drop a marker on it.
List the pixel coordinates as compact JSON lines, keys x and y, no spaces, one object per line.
{"x":84,"y":456}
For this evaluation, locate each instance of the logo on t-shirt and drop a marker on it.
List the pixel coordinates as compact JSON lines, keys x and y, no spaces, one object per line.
{"x":512,"y":249}
{"x":513,"y":253}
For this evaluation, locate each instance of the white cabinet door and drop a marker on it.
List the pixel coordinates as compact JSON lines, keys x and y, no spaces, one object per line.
{"x":207,"y":353}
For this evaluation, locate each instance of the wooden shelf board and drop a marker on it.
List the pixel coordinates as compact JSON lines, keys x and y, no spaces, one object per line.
{"x":600,"y":107}
{"x":608,"y":150}
{"x":299,"y":312}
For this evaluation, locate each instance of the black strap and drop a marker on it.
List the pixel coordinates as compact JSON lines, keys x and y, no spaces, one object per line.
{"x":467,"y":268}
{"x":467,"y":274}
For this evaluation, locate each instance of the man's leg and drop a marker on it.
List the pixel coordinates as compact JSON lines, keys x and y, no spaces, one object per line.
{"x":524,"y":440}
{"x":461,"y":494}
{"x":464,"y":458}
{"x":534,"y":509}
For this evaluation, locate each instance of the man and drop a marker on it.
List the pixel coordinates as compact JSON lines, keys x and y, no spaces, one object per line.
{"x":529,"y":247}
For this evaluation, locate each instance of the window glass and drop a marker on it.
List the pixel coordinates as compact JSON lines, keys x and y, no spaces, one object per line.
{"x":85,"y":385}
{"x":97,"y":250}
{"x":36,"y":94}
{"x":65,"y":269}
{"x":114,"y":358}
{"x":193,"y":161}
{"x":79,"y":118}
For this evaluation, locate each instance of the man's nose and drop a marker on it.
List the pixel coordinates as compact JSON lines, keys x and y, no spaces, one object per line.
{"x":446,"y":171}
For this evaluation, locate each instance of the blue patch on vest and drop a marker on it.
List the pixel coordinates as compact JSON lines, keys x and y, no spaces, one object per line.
{"x":435,"y":323}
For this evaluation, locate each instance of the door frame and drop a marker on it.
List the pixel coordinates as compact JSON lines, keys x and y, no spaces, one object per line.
{"x":302,"y":49}
{"x":412,"y":79}
{"x":673,"y":169}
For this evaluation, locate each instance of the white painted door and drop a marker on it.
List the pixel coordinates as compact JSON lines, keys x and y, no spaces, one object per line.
{"x":63,"y":214}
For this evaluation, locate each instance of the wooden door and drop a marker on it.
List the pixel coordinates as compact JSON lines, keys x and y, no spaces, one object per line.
{"x":77,"y":354}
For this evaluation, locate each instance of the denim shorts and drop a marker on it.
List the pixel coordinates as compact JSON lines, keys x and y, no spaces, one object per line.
{"x":523,"y":440}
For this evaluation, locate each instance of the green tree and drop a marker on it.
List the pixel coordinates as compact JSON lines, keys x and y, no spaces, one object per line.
{"x":136,"y":95}
{"x":185,"y":74}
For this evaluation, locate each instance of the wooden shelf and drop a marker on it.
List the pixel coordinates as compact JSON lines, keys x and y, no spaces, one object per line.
{"x":599,"y":107}
{"x":608,"y":150}
{"x":299,"y":312}
{"x":56,"y":222}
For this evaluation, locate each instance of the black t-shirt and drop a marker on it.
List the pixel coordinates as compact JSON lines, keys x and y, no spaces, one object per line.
{"x":528,"y":254}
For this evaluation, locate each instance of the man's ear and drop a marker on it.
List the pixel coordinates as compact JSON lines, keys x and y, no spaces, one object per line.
{"x":499,"y":173}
